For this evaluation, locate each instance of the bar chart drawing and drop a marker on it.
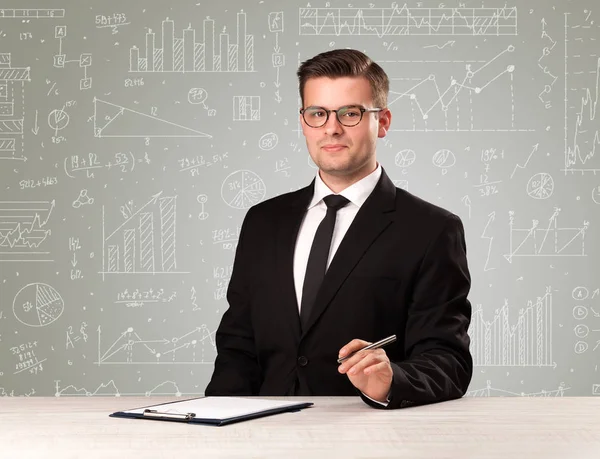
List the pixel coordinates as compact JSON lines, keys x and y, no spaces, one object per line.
{"x":12,"y":108}
{"x":408,"y":21}
{"x":185,"y":54}
{"x":145,"y":243}
{"x":527,"y":343}
{"x":490,"y":391}
{"x":112,"y":120}
{"x":246,"y":108}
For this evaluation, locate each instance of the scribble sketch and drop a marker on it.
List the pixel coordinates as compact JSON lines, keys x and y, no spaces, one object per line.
{"x":110,"y":389}
{"x":268,"y":141}
{"x":83,"y":199}
{"x":489,"y":391}
{"x":12,"y":109}
{"x":408,"y":21}
{"x":24,"y":229}
{"x":37,"y":305}
{"x":458,"y":96}
{"x":112,"y":120}
{"x":596,"y":194}
{"x":540,"y":186}
{"x":246,"y":108}
{"x":551,"y":241}
{"x":544,"y":96}
{"x":243,"y":189}
{"x":582,"y":89}
{"x":490,"y":239}
{"x":185,"y":54}
{"x":36,"y":13}
{"x":595,"y":389}
{"x":145,"y":243}
{"x":195,"y":347}
{"x":527,"y":343}
{"x":197,"y":96}
{"x":202,"y":199}
{"x":60,"y":59}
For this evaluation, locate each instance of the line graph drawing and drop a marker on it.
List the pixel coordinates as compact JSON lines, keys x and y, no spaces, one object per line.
{"x":12,"y":109}
{"x":110,"y":389}
{"x":408,"y":21}
{"x":23,"y":230}
{"x":582,"y":131}
{"x":145,"y":243}
{"x":461,"y":100}
{"x":243,"y":189}
{"x":551,"y":241}
{"x":194,"y":347}
{"x":38,"y":305}
{"x":527,"y":343}
{"x":112,"y":120}
{"x":490,"y":391}
{"x":186,"y":55}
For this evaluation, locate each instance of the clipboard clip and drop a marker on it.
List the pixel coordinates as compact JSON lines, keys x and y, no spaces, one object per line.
{"x":162,"y":414}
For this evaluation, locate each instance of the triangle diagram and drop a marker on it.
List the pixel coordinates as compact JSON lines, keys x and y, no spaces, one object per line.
{"x":111,"y":120}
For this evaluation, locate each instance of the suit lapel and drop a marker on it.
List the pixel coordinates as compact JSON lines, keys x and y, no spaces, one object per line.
{"x":371,"y":220}
{"x":290,"y":219}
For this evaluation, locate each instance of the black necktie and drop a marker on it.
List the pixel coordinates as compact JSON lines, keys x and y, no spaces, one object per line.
{"x":319,"y":253}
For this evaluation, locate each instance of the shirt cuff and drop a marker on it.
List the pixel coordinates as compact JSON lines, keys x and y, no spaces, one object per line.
{"x":387,"y":398}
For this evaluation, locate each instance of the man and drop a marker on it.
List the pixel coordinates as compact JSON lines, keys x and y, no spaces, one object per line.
{"x":394,"y":263}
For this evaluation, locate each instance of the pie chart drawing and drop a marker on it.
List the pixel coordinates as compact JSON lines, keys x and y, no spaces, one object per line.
{"x":540,"y":186}
{"x":38,"y":305}
{"x":58,"y":120}
{"x":405,"y":158}
{"x":243,"y":189}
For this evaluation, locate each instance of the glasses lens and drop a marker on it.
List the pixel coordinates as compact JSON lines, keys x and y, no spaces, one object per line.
{"x":349,"y":116}
{"x":315,"y":116}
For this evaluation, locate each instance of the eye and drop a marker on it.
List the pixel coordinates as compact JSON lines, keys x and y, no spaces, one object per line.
{"x":351,"y":112}
{"x":316,"y":113}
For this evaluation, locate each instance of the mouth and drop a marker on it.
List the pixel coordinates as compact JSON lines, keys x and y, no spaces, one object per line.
{"x":333,"y":147}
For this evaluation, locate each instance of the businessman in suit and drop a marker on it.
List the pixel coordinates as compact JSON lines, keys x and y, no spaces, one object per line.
{"x":348,"y":260}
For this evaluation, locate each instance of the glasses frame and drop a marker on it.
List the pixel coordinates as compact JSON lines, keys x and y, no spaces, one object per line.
{"x":363,"y":110}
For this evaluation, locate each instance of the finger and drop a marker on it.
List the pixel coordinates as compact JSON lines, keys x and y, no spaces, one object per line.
{"x":371,"y":358}
{"x":352,"y":346}
{"x":381,"y":366}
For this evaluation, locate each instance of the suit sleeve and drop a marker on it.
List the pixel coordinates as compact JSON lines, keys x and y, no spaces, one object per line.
{"x":439,"y":365}
{"x":236,"y":370}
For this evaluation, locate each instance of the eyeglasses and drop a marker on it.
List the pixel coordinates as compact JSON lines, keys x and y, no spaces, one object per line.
{"x":348,"y":115}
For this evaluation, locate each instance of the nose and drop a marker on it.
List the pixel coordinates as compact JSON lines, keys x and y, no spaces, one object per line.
{"x":333,"y":126}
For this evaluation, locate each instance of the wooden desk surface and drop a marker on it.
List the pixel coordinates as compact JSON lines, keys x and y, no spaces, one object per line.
{"x":507,"y":428}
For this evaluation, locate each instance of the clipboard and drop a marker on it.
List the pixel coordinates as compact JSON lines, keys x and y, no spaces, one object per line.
{"x":216,"y":411}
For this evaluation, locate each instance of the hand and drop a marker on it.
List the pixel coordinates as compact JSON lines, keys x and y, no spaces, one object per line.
{"x":369,"y":371}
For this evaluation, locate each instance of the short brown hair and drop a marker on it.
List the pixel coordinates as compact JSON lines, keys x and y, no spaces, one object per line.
{"x":346,"y":63}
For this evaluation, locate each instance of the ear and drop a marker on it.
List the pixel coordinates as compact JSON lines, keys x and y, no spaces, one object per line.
{"x":385,"y":119}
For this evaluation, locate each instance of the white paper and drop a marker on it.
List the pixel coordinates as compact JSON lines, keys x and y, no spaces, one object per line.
{"x":217,"y":407}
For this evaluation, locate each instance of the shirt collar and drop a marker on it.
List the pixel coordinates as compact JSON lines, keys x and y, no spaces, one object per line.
{"x":357,"y":193}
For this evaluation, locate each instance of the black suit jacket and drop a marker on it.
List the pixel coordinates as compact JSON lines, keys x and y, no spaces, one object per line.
{"x":400,"y":269}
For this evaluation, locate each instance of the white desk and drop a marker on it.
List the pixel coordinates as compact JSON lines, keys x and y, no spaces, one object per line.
{"x":507,"y":428}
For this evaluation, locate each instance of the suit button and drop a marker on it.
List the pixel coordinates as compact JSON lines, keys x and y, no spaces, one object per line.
{"x":302,"y":361}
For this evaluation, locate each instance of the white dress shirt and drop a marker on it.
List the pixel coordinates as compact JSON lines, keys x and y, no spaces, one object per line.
{"x":357,"y":194}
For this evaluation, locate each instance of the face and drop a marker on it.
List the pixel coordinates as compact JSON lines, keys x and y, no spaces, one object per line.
{"x":343,"y":153}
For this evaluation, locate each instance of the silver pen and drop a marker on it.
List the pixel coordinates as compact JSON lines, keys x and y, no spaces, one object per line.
{"x":376,"y":345}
